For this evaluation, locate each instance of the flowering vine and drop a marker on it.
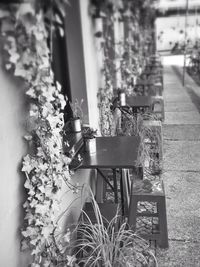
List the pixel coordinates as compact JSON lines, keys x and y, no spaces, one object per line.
{"x":45,"y":166}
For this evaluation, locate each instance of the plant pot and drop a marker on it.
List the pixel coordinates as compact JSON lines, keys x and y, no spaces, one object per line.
{"x":90,"y":145}
{"x":155,"y":166}
{"x":76,"y":125}
{"x":122,"y":99}
{"x":134,"y":80}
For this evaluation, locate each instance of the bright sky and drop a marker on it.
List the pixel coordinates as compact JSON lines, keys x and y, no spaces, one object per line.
{"x":173,"y":60}
{"x":165,"y":4}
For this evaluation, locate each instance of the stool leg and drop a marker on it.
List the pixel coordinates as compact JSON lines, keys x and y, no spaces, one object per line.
{"x":163,"y":112}
{"x":126,"y":190}
{"x":160,"y":102}
{"x":132,"y":216}
{"x":115,"y":185}
{"x":122,"y":184}
{"x":128,"y":182}
{"x":162,"y":217}
{"x":100,"y":189}
{"x":139,"y":171}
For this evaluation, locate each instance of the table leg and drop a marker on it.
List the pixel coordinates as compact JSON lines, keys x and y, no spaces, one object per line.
{"x":115,"y":185}
{"x":140,"y":172}
{"x":106,"y":179}
{"x":122,"y":191}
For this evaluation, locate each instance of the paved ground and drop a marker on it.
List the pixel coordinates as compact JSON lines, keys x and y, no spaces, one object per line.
{"x":181,"y":170}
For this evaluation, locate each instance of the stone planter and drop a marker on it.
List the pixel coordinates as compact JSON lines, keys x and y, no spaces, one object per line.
{"x":90,"y":145}
{"x":76,"y":125}
{"x":122,"y":99}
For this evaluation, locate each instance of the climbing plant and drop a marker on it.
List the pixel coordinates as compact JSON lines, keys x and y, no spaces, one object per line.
{"x":123,"y":58}
{"x":45,"y":166}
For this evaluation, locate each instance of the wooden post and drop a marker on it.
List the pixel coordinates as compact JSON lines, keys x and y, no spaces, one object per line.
{"x":117,"y":51}
{"x":196,"y":25}
{"x":98,"y":42}
{"x":185,"y":40}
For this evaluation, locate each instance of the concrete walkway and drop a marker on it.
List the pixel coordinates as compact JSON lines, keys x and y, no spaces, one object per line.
{"x":181,"y":170}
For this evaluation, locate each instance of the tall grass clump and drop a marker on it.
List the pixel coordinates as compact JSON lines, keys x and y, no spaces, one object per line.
{"x":112,"y":243}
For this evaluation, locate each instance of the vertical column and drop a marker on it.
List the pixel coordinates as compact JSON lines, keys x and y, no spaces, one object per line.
{"x":122,"y":50}
{"x":99,"y":35}
{"x":99,"y":45}
{"x":117,"y":50}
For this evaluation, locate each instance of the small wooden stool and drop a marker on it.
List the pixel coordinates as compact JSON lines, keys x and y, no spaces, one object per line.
{"x":158,"y":106}
{"x":143,"y":191}
{"x":158,"y":87}
{"x":156,"y":126}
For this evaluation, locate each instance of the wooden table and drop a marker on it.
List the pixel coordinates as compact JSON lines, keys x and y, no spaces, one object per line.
{"x":144,"y":83}
{"x":138,"y":102}
{"x":145,"y":86}
{"x":116,"y":153}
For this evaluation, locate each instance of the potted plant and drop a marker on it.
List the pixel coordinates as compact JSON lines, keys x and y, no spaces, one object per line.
{"x":122,"y":97}
{"x":77,"y":115}
{"x":108,"y":244}
{"x":149,"y":155}
{"x":89,"y":135}
{"x":151,"y":141}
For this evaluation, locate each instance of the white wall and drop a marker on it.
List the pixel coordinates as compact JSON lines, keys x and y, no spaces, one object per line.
{"x":82,"y":57}
{"x":12,"y":148}
{"x":75,"y":55}
{"x":172,"y":29}
{"x":92,"y":71}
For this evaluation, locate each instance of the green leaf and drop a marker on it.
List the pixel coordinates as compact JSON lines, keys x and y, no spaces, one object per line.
{"x":35,"y":264}
{"x":4,"y":13}
{"x":14,"y":57}
{"x":41,"y":209}
{"x":47,"y":231}
{"x":61,"y":31}
{"x":34,"y":241}
{"x":24,"y":245}
{"x":27,"y":166}
{"x":36,"y":251}
{"x":28,"y":137}
{"x":20,"y":72}
{"x":8,"y":66}
{"x":7,"y":25}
